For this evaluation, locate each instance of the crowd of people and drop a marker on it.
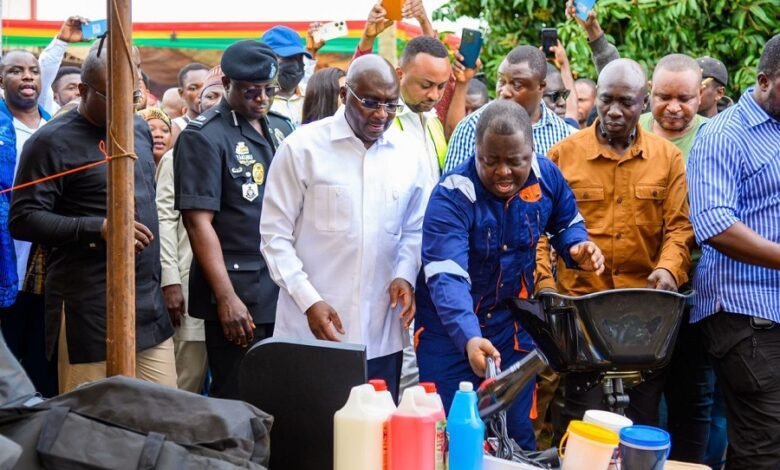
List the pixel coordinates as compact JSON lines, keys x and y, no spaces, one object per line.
{"x":397,"y":207}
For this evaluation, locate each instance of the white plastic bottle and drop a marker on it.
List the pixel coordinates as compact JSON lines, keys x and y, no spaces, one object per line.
{"x":359,"y":437}
{"x":382,"y":396}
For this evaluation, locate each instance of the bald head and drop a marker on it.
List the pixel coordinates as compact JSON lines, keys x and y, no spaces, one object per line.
{"x":370,"y":97}
{"x":620,"y":99}
{"x":94,"y":87}
{"x":371,"y":68}
{"x":93,"y":71}
{"x":626,"y":73}
{"x":173,"y":104}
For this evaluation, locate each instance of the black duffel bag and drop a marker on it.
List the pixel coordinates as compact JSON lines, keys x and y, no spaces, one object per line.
{"x":123,"y":423}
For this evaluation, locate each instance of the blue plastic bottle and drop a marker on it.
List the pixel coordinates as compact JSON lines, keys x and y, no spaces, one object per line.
{"x":465,"y":430}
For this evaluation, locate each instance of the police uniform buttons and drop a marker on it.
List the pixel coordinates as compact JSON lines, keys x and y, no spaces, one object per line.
{"x":248,"y":174}
{"x":489,"y":316}
{"x":505,"y":248}
{"x":235,"y":266}
{"x":501,"y":285}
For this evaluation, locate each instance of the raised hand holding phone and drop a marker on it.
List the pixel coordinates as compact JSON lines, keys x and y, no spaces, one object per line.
{"x":470,"y":46}
{"x":93,"y":29}
{"x":328,"y":31}
{"x":583,"y":7}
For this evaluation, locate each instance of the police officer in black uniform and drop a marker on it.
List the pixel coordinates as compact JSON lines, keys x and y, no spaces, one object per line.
{"x":220,"y":163}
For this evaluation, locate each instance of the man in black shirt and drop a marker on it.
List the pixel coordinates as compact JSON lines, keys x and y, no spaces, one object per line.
{"x":68,"y":214}
{"x":220,"y":163}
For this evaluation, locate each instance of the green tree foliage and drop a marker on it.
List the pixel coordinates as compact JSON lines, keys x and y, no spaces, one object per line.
{"x":733,"y":31}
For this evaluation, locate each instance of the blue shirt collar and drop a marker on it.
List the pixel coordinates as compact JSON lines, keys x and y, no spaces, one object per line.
{"x":753,"y":114}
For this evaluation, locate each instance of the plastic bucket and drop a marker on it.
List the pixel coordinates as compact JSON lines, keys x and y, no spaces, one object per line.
{"x":588,"y":446}
{"x":644,"y":448}
{"x":612,"y":421}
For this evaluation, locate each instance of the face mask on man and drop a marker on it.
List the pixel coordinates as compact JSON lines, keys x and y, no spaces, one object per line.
{"x":290,"y":74}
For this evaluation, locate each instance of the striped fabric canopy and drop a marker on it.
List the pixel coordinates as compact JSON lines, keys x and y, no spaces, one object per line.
{"x":215,"y":36}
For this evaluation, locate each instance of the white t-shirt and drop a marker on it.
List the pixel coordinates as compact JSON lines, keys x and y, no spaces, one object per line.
{"x":22,"y":248}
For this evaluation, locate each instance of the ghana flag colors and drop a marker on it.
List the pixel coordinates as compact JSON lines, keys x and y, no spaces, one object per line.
{"x":25,"y":33}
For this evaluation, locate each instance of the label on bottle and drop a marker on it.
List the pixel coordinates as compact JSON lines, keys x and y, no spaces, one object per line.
{"x":441,"y":444}
{"x":385,"y":443}
{"x":447,"y":450}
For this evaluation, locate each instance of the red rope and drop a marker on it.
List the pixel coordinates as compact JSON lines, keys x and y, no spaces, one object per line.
{"x":101,"y":146}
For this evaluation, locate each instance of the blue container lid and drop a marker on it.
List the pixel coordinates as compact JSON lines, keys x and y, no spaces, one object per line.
{"x":644,"y":436}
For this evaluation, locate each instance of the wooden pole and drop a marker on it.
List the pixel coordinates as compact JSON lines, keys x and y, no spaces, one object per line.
{"x":388,"y":44}
{"x":120,"y":341}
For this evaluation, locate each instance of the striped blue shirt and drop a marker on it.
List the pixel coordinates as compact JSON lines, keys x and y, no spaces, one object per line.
{"x":734,"y":176}
{"x":546,"y":132}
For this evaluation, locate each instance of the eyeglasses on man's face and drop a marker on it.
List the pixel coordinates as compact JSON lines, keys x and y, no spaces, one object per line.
{"x":372,"y":104}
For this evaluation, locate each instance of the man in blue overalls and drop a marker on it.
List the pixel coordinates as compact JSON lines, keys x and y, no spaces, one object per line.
{"x":479,"y":240}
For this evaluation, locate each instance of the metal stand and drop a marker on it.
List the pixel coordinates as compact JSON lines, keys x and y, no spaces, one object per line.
{"x":615,"y":397}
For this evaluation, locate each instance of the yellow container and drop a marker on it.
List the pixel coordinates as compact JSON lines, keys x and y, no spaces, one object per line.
{"x":589,"y":446}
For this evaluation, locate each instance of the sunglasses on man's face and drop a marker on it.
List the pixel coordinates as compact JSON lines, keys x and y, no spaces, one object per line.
{"x":369,"y":103}
{"x":253,"y":93}
{"x":556,"y":95}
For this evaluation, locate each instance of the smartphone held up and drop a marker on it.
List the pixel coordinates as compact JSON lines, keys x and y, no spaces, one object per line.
{"x":583,"y":7}
{"x":94,"y":29}
{"x":549,"y":39}
{"x":470,"y":46}
{"x":332,"y":30}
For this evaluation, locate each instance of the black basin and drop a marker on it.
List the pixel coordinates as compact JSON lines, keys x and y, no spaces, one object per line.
{"x":617,"y":330}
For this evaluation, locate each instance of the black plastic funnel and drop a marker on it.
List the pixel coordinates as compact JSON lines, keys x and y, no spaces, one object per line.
{"x":615,"y":330}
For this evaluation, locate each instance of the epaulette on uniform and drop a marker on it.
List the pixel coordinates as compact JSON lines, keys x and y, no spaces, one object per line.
{"x":274,"y":118}
{"x":202,"y":119}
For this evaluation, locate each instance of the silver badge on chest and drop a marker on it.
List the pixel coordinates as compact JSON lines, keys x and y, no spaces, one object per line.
{"x":249,"y":190}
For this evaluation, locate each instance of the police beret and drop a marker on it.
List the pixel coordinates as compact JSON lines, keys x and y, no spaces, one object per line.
{"x":249,"y":61}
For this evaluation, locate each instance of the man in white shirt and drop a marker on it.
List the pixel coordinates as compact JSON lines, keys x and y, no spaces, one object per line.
{"x":341,"y":223}
{"x":51,"y":59}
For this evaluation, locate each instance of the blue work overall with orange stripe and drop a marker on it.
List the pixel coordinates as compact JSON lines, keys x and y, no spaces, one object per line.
{"x":477,"y":251}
